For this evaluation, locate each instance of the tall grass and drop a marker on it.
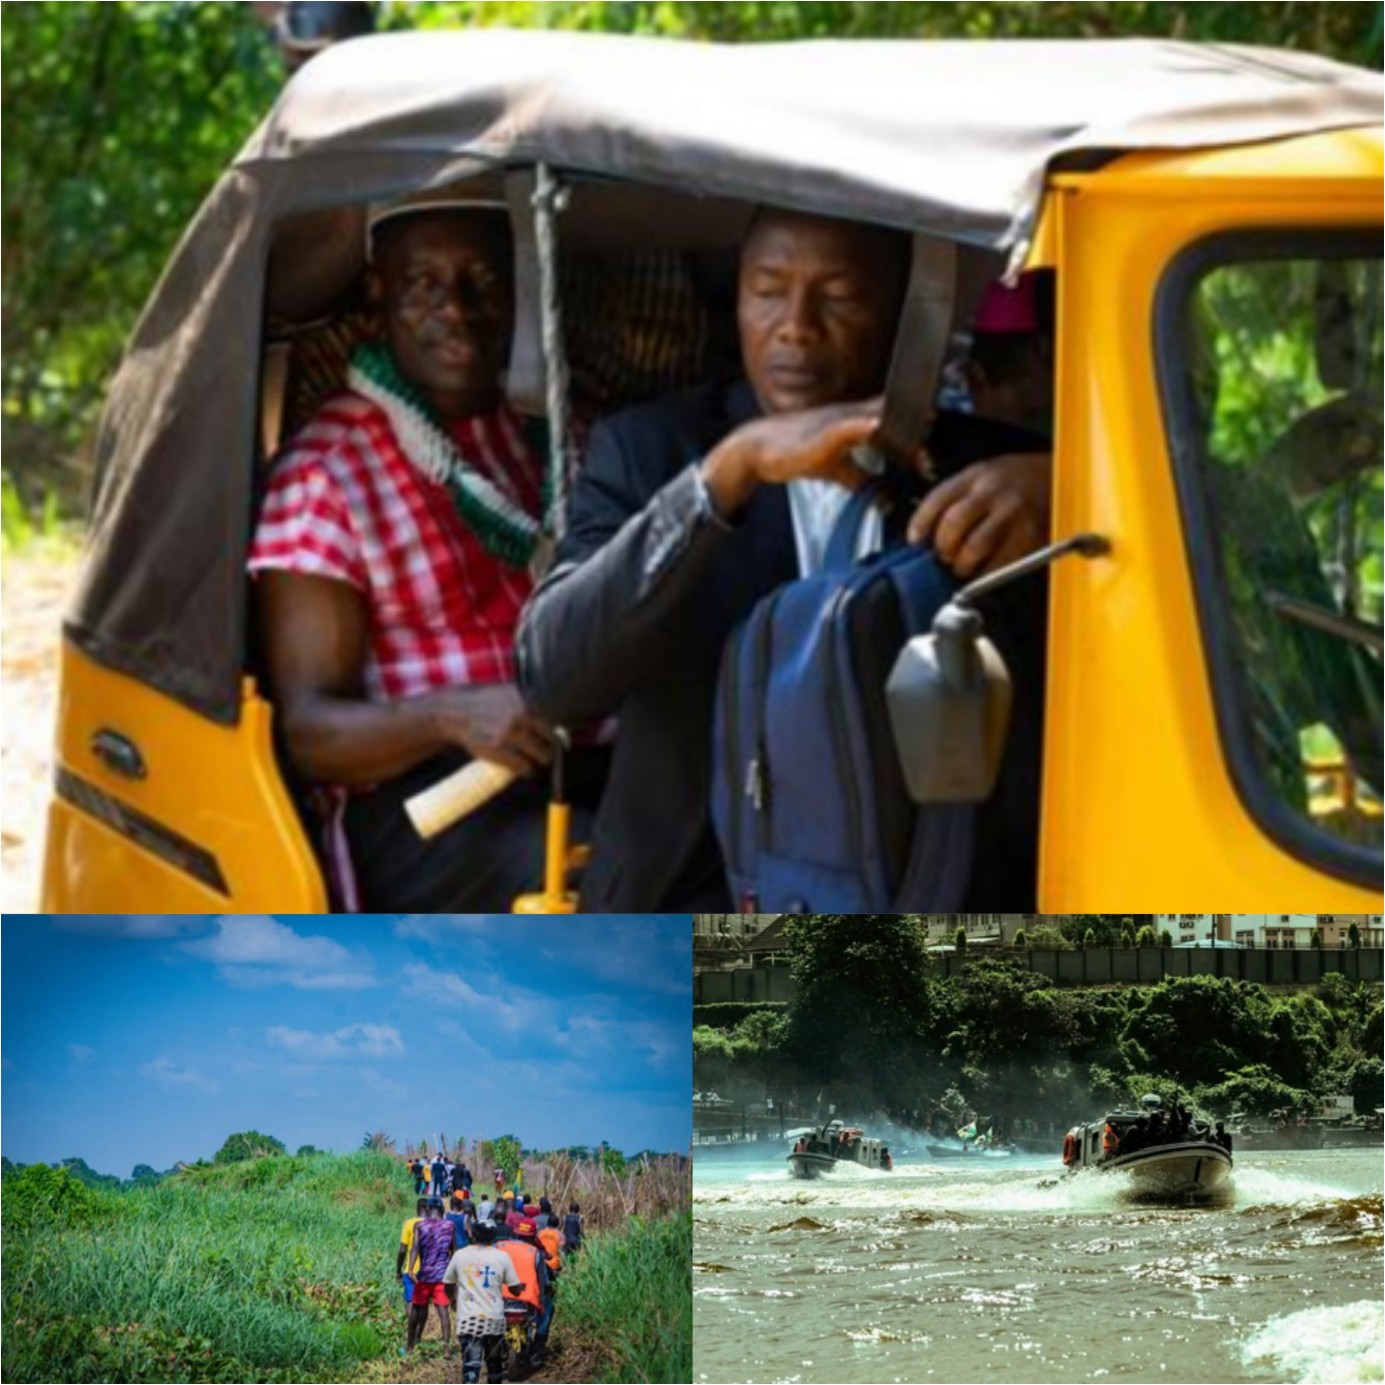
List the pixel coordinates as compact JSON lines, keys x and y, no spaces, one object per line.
{"x":651,"y":1189}
{"x":282,"y":1269}
{"x":626,"y":1298}
{"x":277,"y":1270}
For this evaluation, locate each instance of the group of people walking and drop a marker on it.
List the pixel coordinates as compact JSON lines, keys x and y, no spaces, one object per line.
{"x":474,"y":1256}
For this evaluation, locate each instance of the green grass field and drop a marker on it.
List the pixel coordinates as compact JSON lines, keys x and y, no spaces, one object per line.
{"x":282,"y":1269}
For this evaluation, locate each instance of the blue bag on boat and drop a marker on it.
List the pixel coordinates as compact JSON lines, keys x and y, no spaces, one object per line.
{"x":808,"y":798}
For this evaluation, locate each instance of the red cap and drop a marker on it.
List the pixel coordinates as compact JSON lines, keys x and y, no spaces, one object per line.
{"x":1005,"y":310}
{"x":526,"y":1228}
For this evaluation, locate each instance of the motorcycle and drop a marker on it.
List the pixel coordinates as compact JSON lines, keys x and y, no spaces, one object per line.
{"x":521,"y":1327}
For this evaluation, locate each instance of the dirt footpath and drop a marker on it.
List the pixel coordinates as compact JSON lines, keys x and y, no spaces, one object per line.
{"x":567,"y":1360}
{"x":36,"y":588}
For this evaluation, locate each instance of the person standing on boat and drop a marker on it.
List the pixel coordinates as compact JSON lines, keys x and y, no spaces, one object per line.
{"x":1223,"y":1136}
{"x":1110,"y":1141}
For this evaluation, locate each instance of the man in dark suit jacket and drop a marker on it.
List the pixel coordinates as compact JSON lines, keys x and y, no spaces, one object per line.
{"x":681,"y":522}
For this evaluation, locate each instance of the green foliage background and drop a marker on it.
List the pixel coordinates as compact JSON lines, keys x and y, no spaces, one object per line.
{"x":874,"y":1026}
{"x":118,"y":117}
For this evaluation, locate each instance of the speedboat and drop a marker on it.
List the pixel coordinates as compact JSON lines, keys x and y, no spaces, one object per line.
{"x":818,"y":1149}
{"x":969,"y":1151}
{"x":1182,"y":1169}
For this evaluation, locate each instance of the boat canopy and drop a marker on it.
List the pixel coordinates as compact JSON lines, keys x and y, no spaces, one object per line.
{"x":951,"y":139}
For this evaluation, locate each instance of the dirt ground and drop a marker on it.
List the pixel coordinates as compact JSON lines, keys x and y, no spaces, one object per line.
{"x":566,"y":1361}
{"x":36,"y":588}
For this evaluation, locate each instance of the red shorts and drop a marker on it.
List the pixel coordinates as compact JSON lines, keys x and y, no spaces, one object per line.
{"x":426,"y":1293}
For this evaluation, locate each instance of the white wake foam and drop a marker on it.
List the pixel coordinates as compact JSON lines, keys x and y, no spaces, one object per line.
{"x":1322,"y":1346}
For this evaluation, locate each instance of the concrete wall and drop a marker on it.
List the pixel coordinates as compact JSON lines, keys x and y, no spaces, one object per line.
{"x":1095,"y":966}
{"x":743,"y":983}
{"x":1098,"y":966}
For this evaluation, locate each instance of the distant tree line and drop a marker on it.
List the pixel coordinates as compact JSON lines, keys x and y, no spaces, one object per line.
{"x":119,"y":117}
{"x":874,"y":1025}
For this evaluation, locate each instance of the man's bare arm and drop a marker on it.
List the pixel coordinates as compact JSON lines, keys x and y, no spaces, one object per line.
{"x":315,"y":634}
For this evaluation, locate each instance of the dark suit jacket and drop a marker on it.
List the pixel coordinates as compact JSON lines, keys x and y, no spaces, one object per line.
{"x":633,"y":618}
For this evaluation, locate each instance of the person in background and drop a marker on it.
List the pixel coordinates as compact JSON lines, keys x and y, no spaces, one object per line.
{"x":439,"y":1175}
{"x":1110,"y":1141}
{"x":416,"y":1169}
{"x":460,"y":1220}
{"x":550,"y":1243}
{"x":572,"y":1228}
{"x":535,"y":1288}
{"x":434,"y":1245}
{"x":406,"y":1260}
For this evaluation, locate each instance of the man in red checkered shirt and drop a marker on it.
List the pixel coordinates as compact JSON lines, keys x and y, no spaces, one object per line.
{"x":391,"y":563}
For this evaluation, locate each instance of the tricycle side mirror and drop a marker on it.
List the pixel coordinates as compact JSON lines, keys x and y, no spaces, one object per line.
{"x":949,"y":696}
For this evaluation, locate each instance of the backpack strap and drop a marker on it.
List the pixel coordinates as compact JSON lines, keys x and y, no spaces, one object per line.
{"x":841,"y":546}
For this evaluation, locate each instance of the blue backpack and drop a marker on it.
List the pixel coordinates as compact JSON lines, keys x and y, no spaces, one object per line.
{"x":808,"y":798}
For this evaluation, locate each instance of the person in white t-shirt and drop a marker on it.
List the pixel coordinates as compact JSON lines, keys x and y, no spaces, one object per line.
{"x":477,"y":1274}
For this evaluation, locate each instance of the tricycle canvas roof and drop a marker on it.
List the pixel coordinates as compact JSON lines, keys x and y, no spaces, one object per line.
{"x":1104,"y":160}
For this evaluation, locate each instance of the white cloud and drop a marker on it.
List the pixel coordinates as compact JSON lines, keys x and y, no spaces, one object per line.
{"x":130,"y":925}
{"x":256,"y":950}
{"x":509,"y":1011}
{"x":80,"y":1053}
{"x":588,"y":1036}
{"x":173,"y":1076}
{"x":351,"y":1041}
{"x":637,"y":952}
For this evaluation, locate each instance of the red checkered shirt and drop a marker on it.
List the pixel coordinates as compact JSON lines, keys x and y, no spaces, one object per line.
{"x":345,"y":503}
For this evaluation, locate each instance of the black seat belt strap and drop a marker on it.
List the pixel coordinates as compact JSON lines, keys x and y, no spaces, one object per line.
{"x":925,"y":326}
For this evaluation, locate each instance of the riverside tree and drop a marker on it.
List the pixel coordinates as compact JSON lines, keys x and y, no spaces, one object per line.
{"x":863,"y":991}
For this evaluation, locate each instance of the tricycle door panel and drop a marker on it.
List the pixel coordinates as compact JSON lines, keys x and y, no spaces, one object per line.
{"x":1140,"y":814}
{"x":159,"y":809}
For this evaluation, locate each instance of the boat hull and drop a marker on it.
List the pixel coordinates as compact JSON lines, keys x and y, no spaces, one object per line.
{"x":1192,"y":1169}
{"x":811,"y":1165}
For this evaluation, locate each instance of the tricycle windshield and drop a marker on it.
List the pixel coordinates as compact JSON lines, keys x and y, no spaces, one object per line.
{"x":1270,"y":358}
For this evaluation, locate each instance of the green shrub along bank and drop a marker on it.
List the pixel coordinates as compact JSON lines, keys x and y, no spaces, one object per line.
{"x":626,"y":1298}
{"x":279,"y":1269}
{"x":726,"y":1014}
{"x":874,"y":1025}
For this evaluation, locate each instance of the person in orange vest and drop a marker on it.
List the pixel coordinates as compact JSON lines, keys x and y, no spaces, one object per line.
{"x":1110,"y":1141}
{"x":535,"y":1287}
{"x":550,"y":1241}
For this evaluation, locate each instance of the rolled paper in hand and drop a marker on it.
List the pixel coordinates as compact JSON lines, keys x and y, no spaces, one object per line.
{"x":451,"y":799}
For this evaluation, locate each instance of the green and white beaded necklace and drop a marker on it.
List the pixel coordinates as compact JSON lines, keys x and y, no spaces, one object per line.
{"x":506,"y":531}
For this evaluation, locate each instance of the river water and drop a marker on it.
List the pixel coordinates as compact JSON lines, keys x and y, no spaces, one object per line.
{"x":1003,"y":1272}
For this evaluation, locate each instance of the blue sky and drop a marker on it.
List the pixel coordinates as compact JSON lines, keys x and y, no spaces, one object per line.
{"x":143,"y":1038}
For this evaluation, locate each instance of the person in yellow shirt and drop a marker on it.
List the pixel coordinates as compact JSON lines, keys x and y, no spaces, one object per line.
{"x":406,"y":1262}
